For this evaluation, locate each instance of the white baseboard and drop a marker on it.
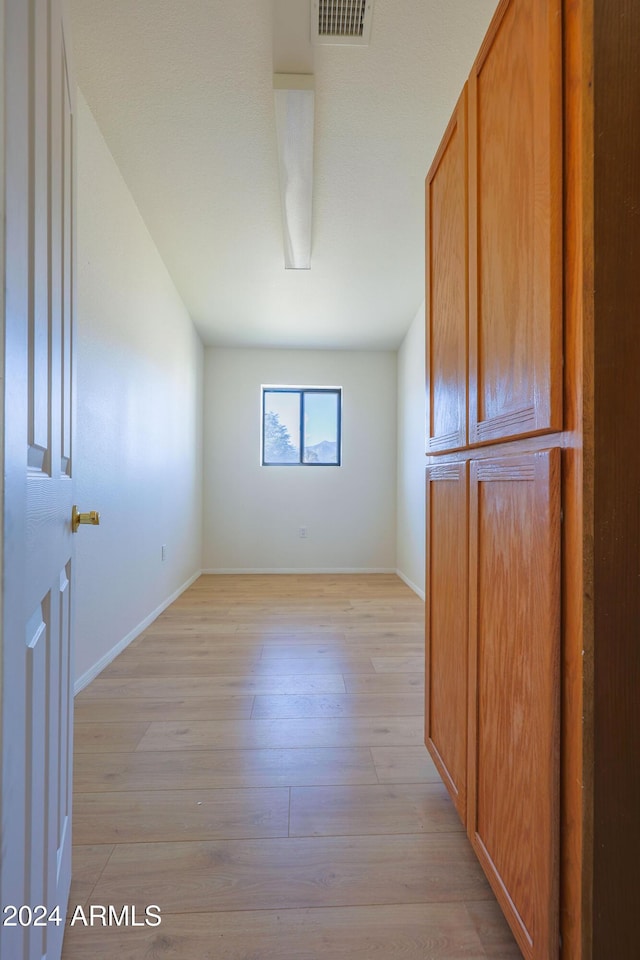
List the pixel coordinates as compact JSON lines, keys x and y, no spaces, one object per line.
{"x":411,"y":584}
{"x":111,"y":654}
{"x":269,"y":570}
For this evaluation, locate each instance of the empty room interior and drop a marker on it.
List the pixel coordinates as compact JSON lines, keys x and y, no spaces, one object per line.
{"x":320,"y":494}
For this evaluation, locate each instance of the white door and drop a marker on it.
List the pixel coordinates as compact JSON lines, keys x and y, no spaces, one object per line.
{"x":37,"y":552}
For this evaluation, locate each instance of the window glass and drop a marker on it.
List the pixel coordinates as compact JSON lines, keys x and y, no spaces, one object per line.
{"x":321,"y":427}
{"x":301,"y":426}
{"x":281,"y":442}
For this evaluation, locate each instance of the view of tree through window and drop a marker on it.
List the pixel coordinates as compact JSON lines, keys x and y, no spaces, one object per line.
{"x":301,"y":426}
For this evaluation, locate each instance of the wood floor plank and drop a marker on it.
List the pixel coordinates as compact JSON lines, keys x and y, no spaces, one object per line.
{"x":189,"y":708}
{"x":197,"y":614}
{"x":194,"y":629}
{"x":369,"y":648}
{"x":280,"y":874}
{"x":212,"y":769}
{"x":88,"y":863}
{"x":339,"y":705}
{"x":397,"y":664}
{"x":376,"y":809}
{"x":92,"y":737}
{"x":211,"y":665}
{"x":376,"y":618}
{"x":177,"y":688}
{"x":495,"y":936}
{"x":404,"y":765}
{"x":186,"y":648}
{"x":205,"y":814}
{"x":381,"y":612}
{"x":289,"y":636}
{"x":378,"y":585}
{"x":182,"y":623}
{"x":312,"y":631}
{"x":398,"y":683}
{"x":392,"y":932}
{"x":254,"y":734}
{"x":372,"y":630}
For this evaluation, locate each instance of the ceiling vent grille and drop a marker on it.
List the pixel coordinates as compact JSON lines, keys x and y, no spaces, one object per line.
{"x":341,"y":21}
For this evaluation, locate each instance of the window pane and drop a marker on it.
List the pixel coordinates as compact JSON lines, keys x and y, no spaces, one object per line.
{"x":281,"y":427}
{"x":321,"y":440}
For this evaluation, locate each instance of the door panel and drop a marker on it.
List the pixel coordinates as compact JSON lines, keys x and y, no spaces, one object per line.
{"x":514,"y":615}
{"x":39,"y":309}
{"x":447,"y":627}
{"x":36,"y":658}
{"x":515,"y":195}
{"x":447,"y":287}
{"x":36,"y":762}
{"x":59,"y":728}
{"x":66,"y":247}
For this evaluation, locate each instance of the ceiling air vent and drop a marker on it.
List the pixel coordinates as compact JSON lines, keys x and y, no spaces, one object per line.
{"x":341,"y":21}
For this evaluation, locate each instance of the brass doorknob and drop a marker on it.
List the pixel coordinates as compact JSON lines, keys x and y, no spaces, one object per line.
{"x":92,"y":517}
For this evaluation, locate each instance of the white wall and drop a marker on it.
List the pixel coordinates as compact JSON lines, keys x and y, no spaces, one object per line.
{"x":138,"y":451}
{"x":252,"y":513}
{"x":411,"y":455}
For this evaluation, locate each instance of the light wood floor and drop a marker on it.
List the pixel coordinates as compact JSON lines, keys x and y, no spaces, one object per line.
{"x":253,"y":764}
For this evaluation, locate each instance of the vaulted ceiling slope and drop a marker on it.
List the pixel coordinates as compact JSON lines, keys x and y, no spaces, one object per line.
{"x":182,"y":91}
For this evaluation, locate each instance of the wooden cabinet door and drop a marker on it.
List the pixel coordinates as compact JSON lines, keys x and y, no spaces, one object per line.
{"x":514,"y":629}
{"x":447,"y":627}
{"x":515,"y":253}
{"x":446,"y":246}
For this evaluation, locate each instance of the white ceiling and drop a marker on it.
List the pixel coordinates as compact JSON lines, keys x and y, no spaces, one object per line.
{"x":182,"y":91}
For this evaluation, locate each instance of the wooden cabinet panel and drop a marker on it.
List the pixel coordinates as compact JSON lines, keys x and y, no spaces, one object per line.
{"x":514,"y":680}
{"x":446,"y":245}
{"x":447,"y":627}
{"x":515,"y":195}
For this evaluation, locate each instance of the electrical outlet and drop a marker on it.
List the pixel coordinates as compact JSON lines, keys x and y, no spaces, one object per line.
{"x":303,"y":533}
{"x":164,"y":551}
